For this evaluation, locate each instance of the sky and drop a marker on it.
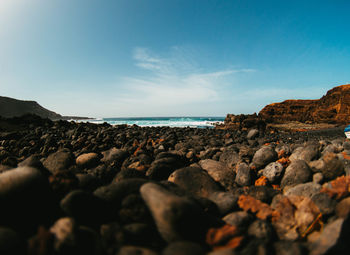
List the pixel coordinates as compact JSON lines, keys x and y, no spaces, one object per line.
{"x":137,"y":58}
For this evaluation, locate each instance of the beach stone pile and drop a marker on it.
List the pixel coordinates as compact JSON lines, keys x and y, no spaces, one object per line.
{"x":81,"y":188}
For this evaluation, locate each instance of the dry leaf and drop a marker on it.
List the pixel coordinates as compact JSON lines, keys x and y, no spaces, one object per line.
{"x":284,"y":161}
{"x":340,"y":187}
{"x":223,"y":238}
{"x":248,"y":203}
{"x":262,"y":181}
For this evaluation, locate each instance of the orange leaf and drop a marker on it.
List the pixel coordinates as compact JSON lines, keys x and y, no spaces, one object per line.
{"x":248,"y":203}
{"x":224,"y":237}
{"x":340,"y":187}
{"x":262,"y":181}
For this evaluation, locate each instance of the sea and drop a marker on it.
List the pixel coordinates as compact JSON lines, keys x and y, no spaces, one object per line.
{"x":193,"y":122}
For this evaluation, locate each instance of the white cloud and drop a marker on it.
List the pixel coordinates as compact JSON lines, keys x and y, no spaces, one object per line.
{"x":173,"y":81}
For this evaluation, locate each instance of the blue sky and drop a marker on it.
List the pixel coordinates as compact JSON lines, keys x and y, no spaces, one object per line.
{"x":114,"y":58}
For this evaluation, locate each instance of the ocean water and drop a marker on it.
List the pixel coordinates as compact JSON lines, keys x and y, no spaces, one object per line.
{"x":194,"y":122}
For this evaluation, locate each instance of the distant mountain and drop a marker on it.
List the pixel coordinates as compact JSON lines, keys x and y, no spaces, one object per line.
{"x":10,"y":107}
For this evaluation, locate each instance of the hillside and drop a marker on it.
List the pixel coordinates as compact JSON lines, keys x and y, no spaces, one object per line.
{"x":334,"y":107}
{"x":10,"y":107}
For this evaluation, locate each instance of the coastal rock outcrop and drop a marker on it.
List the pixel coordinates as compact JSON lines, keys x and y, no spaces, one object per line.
{"x":334,"y":107}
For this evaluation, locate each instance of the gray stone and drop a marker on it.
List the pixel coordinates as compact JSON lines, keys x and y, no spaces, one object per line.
{"x":114,"y":156}
{"x":324,"y":203}
{"x":184,"y":248}
{"x":307,"y":153}
{"x":260,"y":229}
{"x":288,"y":248}
{"x":263,"y":156}
{"x":225,"y":201}
{"x":297,"y":172}
{"x":343,"y":208}
{"x":177,"y":218}
{"x":317,"y":178}
{"x":194,"y":180}
{"x":252,"y":134}
{"x":229,"y":157}
{"x":240,"y":219}
{"x":59,"y":161}
{"x":304,"y":189}
{"x":273,"y":171}
{"x":333,"y":166}
{"x":219,"y":172}
{"x":243,"y":177}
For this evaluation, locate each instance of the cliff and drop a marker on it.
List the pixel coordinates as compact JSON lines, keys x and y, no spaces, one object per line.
{"x":10,"y":107}
{"x":334,"y":107}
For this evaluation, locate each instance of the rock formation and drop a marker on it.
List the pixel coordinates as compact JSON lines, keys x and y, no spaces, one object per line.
{"x":10,"y":107}
{"x":334,"y":107}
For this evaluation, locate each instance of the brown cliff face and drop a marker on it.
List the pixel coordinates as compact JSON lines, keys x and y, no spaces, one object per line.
{"x":334,"y":107}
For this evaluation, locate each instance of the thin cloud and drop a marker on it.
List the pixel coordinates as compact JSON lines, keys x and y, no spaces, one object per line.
{"x":167,"y":84}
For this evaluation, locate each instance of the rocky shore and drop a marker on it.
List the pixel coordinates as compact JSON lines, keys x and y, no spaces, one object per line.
{"x":80,"y":188}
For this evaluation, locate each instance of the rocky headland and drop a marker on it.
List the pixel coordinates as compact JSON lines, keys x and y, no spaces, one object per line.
{"x":82,"y":188}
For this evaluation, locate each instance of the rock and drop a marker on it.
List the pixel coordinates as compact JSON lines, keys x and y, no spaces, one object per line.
{"x":184,"y":248}
{"x":194,"y":180}
{"x":141,"y":234}
{"x":162,"y":167}
{"x":225,"y":201}
{"x":263,"y":156}
{"x":317,"y":178}
{"x":343,"y":208}
{"x":59,"y":161}
{"x":88,"y":160}
{"x":71,"y":239}
{"x":324,"y":203}
{"x":219,"y":172}
{"x":304,"y":189}
{"x":307,"y":153}
{"x":288,"y":248}
{"x":32,"y":161}
{"x":262,"y":193}
{"x":297,"y":172}
{"x":114,"y":156}
{"x":333,"y":239}
{"x":77,"y":203}
{"x":260,"y":229}
{"x":229,"y":157}
{"x":87,"y":182}
{"x":240,"y":219}
{"x":177,"y":218}
{"x":273,"y":171}
{"x":25,"y":189}
{"x":333,"y":166}
{"x":128,"y":173}
{"x":243,"y":177}
{"x":252,"y":134}
{"x":11,"y":243}
{"x":134,"y":250}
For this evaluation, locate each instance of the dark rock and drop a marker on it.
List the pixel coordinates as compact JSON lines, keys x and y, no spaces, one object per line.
{"x":84,"y":207}
{"x":243,"y":177}
{"x":317,"y":178}
{"x":59,"y":161}
{"x":225,"y":201}
{"x":194,"y":180}
{"x":324,"y":203}
{"x":263,"y":156}
{"x":308,"y":189}
{"x":114,"y":157}
{"x":26,"y":199}
{"x":273,"y":172}
{"x":184,"y":248}
{"x":133,"y":209}
{"x":134,"y":250}
{"x":297,"y":172}
{"x":63,"y":182}
{"x":288,"y":248}
{"x":333,"y":167}
{"x":334,"y":238}
{"x":88,"y":160}
{"x":87,"y":182}
{"x":142,"y":234}
{"x":343,"y":208}
{"x":11,"y":243}
{"x":229,"y":157}
{"x":260,"y":229}
{"x":219,"y":172}
{"x":162,"y":167}
{"x":262,"y":193}
{"x":32,"y":161}
{"x":307,"y":153}
{"x":239,"y":219}
{"x":128,"y":173}
{"x":177,"y":218}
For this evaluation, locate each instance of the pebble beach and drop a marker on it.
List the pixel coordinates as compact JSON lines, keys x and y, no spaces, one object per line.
{"x":83,"y":188}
